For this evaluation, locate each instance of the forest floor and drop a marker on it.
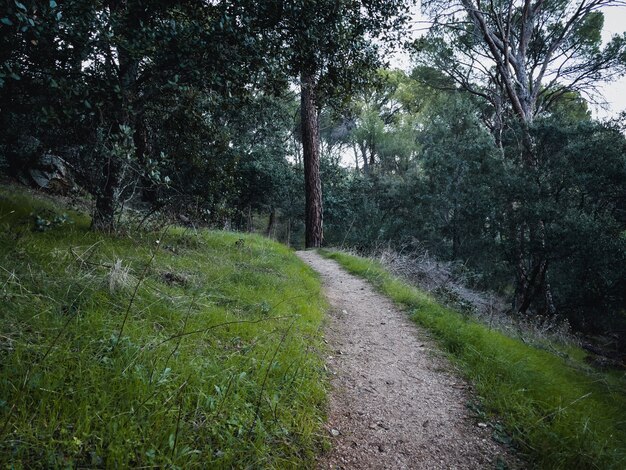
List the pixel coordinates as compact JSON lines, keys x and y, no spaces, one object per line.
{"x":395,"y":401}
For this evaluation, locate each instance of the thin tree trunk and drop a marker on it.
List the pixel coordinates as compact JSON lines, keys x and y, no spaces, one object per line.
{"x":314,"y":234}
{"x":271,"y":223}
{"x":142,"y":152}
{"x":356,"y":156}
{"x":372,"y":157}
{"x":532,"y":281}
{"x":366,"y":166}
{"x":128,"y":69}
{"x":249,"y":221}
{"x":531,"y":286}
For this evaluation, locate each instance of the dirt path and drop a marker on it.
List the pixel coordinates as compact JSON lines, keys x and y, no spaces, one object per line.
{"x":395,"y":402}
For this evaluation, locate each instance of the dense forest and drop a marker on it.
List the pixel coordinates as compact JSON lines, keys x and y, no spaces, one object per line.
{"x":284,"y":117}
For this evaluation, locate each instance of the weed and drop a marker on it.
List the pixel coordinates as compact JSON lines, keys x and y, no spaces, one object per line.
{"x":43,"y":223}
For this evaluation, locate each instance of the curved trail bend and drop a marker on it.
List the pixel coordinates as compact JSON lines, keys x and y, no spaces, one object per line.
{"x":395,"y":403}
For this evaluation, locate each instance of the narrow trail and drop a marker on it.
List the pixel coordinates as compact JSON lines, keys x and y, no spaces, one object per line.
{"x":395,"y":402}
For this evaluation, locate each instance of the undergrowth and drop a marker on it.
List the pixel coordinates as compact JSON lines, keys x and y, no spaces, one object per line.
{"x":174,"y":349}
{"x":561,"y":415}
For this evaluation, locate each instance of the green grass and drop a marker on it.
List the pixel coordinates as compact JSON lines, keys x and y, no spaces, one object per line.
{"x":561,"y":416}
{"x":214,"y":361}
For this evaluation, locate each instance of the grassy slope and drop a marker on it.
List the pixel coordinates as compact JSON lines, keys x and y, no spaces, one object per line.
{"x":174,"y":387}
{"x":562,"y":416}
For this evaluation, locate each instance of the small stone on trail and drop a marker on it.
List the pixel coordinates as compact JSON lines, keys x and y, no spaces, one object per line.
{"x":482,"y":425}
{"x":345,"y":312}
{"x":334,"y":432}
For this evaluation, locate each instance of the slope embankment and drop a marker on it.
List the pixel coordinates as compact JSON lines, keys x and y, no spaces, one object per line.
{"x":167,"y":348}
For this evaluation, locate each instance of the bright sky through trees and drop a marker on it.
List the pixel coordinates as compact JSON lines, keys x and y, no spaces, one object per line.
{"x":614,"y":92}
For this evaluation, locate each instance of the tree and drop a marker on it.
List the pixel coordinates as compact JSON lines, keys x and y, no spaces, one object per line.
{"x":98,"y":80}
{"x":522,"y":57}
{"x":385,"y":121}
{"x":329,"y":47}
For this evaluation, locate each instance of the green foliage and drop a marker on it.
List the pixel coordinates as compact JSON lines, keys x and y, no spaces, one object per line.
{"x":181,"y":348}
{"x":121,"y":90}
{"x":533,"y":59}
{"x":578,"y":190}
{"x":461,"y":195}
{"x":559,"y":412}
{"x":328,"y":38}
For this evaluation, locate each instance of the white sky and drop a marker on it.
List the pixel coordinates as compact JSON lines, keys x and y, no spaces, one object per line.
{"x":614,"y":92}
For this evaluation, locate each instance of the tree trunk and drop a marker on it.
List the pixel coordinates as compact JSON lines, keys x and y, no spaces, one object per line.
{"x":128,"y":69}
{"x":356,"y":156}
{"x":530,"y":287}
{"x":311,"y":152}
{"x":536,"y":284}
{"x":104,"y":215}
{"x":142,"y":152}
{"x":271,"y":223}
{"x":366,"y":167}
{"x":249,"y":220}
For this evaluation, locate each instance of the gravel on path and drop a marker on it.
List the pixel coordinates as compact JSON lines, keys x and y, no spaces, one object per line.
{"x":396,"y":402}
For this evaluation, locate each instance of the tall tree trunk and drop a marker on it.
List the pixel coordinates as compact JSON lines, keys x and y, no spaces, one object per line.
{"x":249,"y":219}
{"x":533,"y":281}
{"x":356,"y":156}
{"x":271,"y":223}
{"x":128,"y":69}
{"x":314,"y":234}
{"x":142,"y":152}
{"x":366,"y":166}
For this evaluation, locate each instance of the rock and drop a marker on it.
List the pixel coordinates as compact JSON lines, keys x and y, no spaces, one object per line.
{"x":184,"y":219}
{"x":52,"y":173}
{"x":334,"y":432}
{"x":171,"y":278}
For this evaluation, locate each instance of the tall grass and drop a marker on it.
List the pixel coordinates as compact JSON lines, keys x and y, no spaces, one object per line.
{"x":185,"y":349}
{"x":560,"y":415}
